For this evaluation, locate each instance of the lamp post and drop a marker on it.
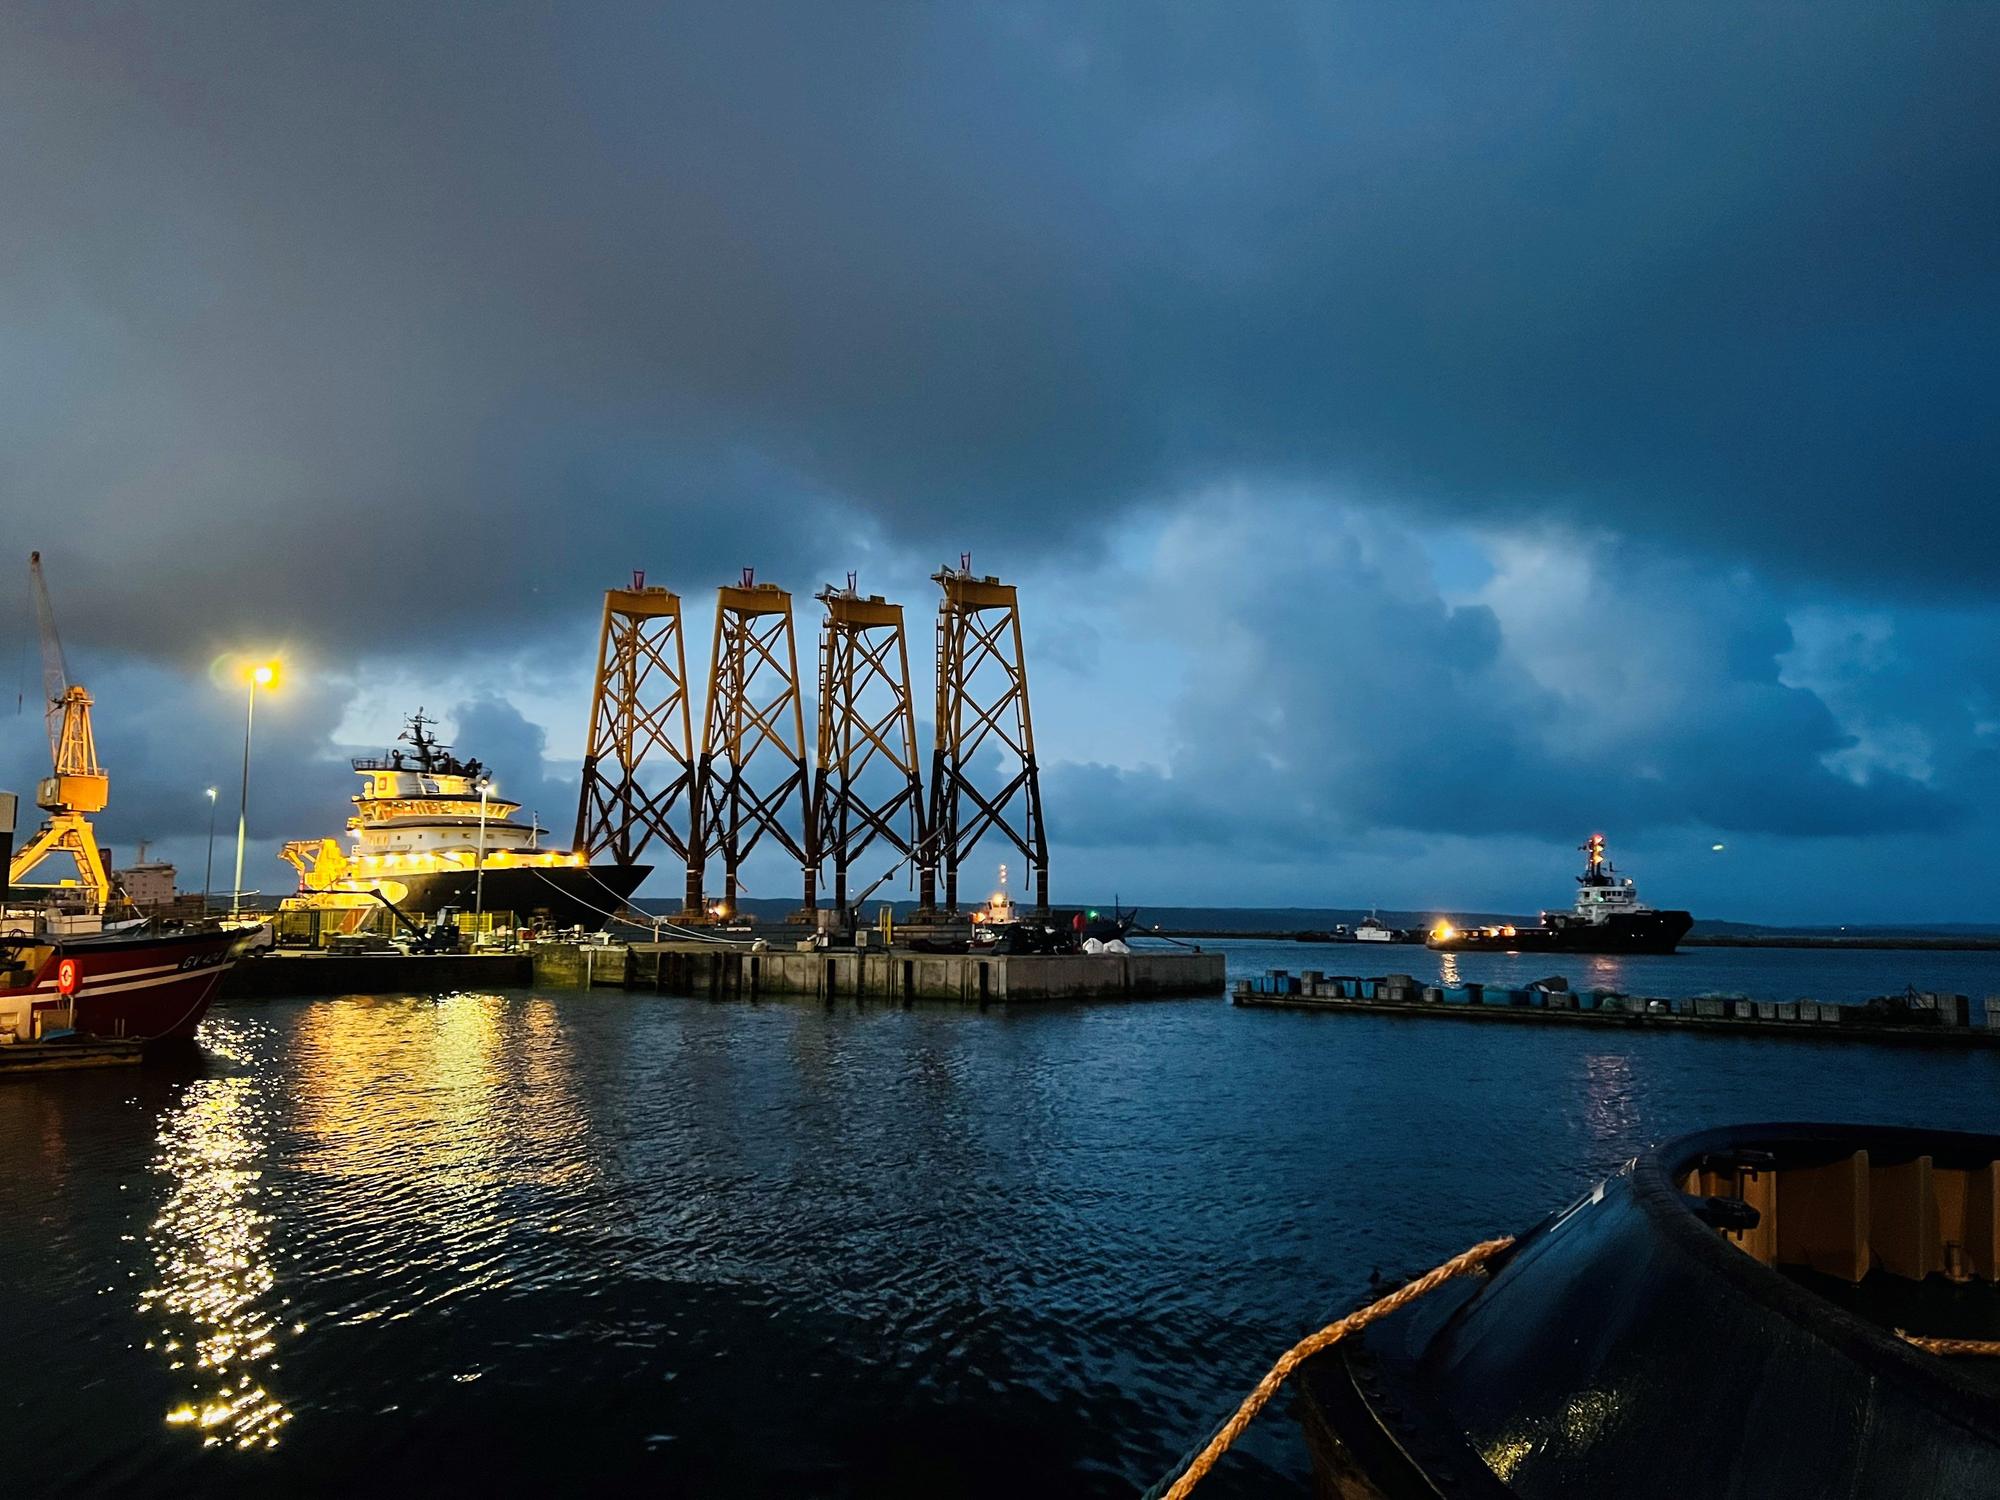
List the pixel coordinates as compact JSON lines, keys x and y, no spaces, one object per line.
{"x":260,"y":676}
{"x":208,"y":873}
{"x":479,"y":858}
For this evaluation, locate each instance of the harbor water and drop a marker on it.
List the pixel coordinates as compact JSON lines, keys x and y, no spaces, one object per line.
{"x":618,"y":1240}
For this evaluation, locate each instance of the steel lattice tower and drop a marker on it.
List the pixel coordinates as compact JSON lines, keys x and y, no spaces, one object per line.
{"x":866,"y":782}
{"x":754,"y":708}
{"x":639,"y":761}
{"x":982,"y":706}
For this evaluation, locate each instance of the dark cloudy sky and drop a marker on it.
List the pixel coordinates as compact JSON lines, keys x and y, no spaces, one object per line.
{"x":1421,"y":437}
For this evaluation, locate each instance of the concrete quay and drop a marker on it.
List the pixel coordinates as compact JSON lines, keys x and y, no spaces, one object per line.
{"x":894,"y":974}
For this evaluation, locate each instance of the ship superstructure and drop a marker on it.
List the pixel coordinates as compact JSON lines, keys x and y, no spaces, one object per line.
{"x":430,"y":831}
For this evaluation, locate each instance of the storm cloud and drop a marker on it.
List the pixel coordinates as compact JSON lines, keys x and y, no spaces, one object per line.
{"x":399,"y":331}
{"x":533,"y":293}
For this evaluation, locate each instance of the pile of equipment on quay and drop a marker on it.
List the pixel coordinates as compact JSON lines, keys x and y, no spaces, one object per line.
{"x":1926,"y":1017}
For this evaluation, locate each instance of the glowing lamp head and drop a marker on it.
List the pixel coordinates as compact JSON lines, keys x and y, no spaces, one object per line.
{"x":211,"y":793}
{"x":1443,"y":932}
{"x":263,"y":674}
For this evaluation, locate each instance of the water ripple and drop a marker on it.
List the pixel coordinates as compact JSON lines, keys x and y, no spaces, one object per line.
{"x":632,"y":1241}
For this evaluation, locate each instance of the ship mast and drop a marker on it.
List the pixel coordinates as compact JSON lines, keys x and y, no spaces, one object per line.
{"x":1596,"y":870}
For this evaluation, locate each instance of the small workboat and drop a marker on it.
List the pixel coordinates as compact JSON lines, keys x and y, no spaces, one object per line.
{"x":1767,"y":1311}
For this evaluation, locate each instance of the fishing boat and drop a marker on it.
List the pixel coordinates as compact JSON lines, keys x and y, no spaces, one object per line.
{"x":1765,"y":1310}
{"x":144,"y":984}
{"x":430,"y":832}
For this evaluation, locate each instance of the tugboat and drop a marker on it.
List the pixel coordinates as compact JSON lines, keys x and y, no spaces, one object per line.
{"x":430,"y":834}
{"x":1765,"y":1310}
{"x":1608,"y":917}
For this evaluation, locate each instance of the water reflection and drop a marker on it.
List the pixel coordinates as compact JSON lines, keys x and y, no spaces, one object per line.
{"x":214,"y":1276}
{"x":1611,"y":1097}
{"x":1448,"y":975}
{"x":448,"y":1153}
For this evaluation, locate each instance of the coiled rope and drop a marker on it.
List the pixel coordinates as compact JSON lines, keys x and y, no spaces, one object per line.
{"x":1197,"y":1468}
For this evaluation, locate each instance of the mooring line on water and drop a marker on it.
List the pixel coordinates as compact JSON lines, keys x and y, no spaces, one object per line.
{"x":1224,"y":1436}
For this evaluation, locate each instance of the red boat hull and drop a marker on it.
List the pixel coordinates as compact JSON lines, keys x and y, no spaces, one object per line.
{"x":151,"y":986}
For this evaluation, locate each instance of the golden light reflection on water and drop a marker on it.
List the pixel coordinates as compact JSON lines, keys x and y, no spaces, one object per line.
{"x":1448,"y":974}
{"x":447,"y":1095}
{"x":211,"y":1303}
{"x":436,"y":1126}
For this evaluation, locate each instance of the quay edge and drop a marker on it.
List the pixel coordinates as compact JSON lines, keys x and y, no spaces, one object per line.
{"x":893,"y":974}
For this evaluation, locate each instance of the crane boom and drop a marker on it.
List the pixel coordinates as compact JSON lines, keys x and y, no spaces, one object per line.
{"x":79,"y":782}
{"x":55,"y":671}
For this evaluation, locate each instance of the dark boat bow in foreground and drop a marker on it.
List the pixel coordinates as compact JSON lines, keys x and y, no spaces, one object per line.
{"x":1721,"y":1318}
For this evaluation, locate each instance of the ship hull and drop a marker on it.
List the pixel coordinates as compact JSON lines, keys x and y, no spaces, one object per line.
{"x":1720,"y":1285}
{"x":148,"y":987}
{"x":559,"y":897}
{"x":1653,"y":932}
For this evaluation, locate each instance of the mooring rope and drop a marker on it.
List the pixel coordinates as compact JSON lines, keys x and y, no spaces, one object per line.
{"x":1949,"y":1346}
{"x":1219,"y":1443}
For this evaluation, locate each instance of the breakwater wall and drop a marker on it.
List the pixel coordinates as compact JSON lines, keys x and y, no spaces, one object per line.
{"x":1916,"y":1018}
{"x":893,"y":974}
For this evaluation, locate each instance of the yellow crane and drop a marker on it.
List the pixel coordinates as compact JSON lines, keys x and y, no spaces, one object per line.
{"x":78,"y":786}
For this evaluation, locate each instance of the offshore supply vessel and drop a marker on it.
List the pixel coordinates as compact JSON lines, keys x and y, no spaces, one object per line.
{"x":1608,"y":917}
{"x":430,"y":834}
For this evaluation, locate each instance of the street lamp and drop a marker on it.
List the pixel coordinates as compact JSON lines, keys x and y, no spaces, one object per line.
{"x":264,"y":675}
{"x":479,"y":858}
{"x":208,"y":874}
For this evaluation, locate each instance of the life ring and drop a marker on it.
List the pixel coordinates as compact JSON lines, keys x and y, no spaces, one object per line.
{"x":67,"y":977}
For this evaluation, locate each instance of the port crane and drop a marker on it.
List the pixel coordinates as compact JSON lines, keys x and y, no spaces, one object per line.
{"x":77,"y":786}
